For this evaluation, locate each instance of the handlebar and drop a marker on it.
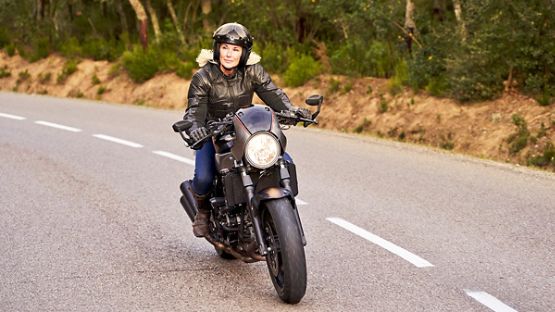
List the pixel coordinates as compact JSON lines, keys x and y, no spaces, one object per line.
{"x":216,"y":127}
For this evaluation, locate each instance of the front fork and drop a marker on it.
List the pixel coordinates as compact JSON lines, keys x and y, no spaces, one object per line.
{"x":255,"y":213}
{"x":286,"y":182}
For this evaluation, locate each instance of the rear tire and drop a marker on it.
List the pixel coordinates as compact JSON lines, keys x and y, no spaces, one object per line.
{"x":286,"y":259}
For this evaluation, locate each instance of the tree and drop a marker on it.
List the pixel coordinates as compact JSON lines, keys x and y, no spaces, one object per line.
{"x":154,"y":21}
{"x":176,"y":23}
{"x":143,"y":21}
{"x":410,"y":25}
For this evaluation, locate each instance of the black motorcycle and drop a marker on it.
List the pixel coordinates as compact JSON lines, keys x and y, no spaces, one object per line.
{"x":254,"y":216}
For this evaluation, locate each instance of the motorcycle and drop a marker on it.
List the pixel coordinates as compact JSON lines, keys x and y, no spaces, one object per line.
{"x":253,"y":212}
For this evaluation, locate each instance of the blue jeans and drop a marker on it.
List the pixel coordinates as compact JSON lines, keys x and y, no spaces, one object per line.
{"x":205,"y":168}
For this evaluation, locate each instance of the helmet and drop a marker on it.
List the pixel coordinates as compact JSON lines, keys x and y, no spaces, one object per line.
{"x":233,"y":33}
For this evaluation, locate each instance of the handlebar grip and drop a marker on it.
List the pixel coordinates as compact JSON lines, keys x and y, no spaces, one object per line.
{"x":181,"y":125}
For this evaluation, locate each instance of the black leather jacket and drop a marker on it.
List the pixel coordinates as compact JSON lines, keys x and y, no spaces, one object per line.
{"x":213,"y":95}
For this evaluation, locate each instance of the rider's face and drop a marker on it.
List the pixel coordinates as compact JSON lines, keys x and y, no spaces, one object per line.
{"x":230,"y":55}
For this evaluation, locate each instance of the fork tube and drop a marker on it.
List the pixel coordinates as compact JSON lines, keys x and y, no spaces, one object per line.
{"x":255,"y":215}
{"x":286,"y":182}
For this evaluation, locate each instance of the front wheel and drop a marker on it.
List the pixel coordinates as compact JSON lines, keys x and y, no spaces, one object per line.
{"x":286,"y":259}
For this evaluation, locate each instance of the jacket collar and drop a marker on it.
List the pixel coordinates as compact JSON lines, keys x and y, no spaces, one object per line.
{"x":206,"y":56}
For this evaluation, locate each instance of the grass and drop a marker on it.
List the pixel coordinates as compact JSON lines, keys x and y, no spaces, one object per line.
{"x":70,"y":67}
{"x":518,"y":141}
{"x":4,"y":72}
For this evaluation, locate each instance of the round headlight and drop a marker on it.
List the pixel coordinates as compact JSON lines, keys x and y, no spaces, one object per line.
{"x":262,"y":150}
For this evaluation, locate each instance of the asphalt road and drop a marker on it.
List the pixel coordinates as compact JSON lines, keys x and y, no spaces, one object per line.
{"x":92,"y":223}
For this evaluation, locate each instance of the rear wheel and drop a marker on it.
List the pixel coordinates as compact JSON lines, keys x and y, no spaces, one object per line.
{"x":286,"y":259}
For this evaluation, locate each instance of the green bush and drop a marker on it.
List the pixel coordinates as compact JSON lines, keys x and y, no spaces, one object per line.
{"x":141,"y":65}
{"x":4,"y":38}
{"x":101,"y":49}
{"x":10,"y":49}
{"x":23,"y":76}
{"x":44,"y":77}
{"x":69,"y":68}
{"x":5,"y":72}
{"x":546,"y":159}
{"x":71,"y":48}
{"x":41,"y":49}
{"x":356,"y":57}
{"x":274,"y":59}
{"x":95,"y":80}
{"x":427,"y":64}
{"x":472,"y":78}
{"x":334,"y":85}
{"x":300,"y":70}
{"x":185,"y":70}
{"x":519,"y":140}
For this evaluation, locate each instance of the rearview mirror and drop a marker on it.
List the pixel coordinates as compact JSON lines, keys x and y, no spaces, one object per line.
{"x":314,"y":100}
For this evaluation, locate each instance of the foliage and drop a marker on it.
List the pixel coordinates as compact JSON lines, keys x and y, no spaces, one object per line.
{"x":141,"y":65}
{"x":546,"y":158}
{"x":44,"y":77}
{"x":5,"y":72}
{"x":505,"y":41}
{"x":69,"y":68}
{"x":518,"y":140}
{"x":185,"y":70}
{"x":300,"y":70}
{"x":23,"y":76}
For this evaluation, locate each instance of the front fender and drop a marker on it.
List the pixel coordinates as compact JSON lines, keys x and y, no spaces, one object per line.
{"x":271,"y":193}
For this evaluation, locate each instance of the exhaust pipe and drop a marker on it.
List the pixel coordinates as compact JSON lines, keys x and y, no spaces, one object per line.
{"x":187,"y":200}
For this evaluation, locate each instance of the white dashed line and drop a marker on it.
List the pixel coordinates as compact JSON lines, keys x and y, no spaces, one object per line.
{"x":175,"y":157}
{"x":117,"y":140}
{"x":389,"y":246}
{"x":57,"y":126}
{"x":489,"y":301}
{"x":9,"y":116}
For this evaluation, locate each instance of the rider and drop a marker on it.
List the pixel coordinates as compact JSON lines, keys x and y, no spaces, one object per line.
{"x":226,"y":82}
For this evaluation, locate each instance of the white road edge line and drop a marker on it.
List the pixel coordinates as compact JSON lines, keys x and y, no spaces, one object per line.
{"x":300,"y":202}
{"x":175,"y":157}
{"x":15,"y":117}
{"x":489,"y":301}
{"x":117,"y":140}
{"x":57,"y":126}
{"x":401,"y":252}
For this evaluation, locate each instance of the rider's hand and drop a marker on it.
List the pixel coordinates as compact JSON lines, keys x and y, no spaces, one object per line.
{"x":303,"y":113}
{"x":199,"y":134}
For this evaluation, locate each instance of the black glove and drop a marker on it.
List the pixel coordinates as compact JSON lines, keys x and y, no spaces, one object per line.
{"x":199,"y":133}
{"x":303,"y":113}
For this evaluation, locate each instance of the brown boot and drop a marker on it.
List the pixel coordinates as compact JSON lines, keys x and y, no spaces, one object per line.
{"x":200,"y":225}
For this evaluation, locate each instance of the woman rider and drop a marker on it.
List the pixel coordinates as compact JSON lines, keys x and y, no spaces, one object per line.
{"x":226,"y":82}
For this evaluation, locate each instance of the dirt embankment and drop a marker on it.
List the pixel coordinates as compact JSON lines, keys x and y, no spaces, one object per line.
{"x":488,"y":129}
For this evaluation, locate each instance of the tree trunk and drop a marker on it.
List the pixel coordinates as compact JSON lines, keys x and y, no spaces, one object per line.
{"x":122,"y":18}
{"x":143,"y":21}
{"x":206,"y":6}
{"x":458,"y":14}
{"x":410,"y":25}
{"x":439,"y":10}
{"x":40,"y":7}
{"x":154,"y":20}
{"x":175,"y":21}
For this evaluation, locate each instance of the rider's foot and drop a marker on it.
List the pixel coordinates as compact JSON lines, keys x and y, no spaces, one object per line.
{"x":200,"y":225}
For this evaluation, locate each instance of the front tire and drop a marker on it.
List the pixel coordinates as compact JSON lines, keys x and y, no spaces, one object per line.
{"x":285,"y":259}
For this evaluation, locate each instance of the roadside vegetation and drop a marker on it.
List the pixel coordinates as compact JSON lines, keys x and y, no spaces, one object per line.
{"x":469,"y":51}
